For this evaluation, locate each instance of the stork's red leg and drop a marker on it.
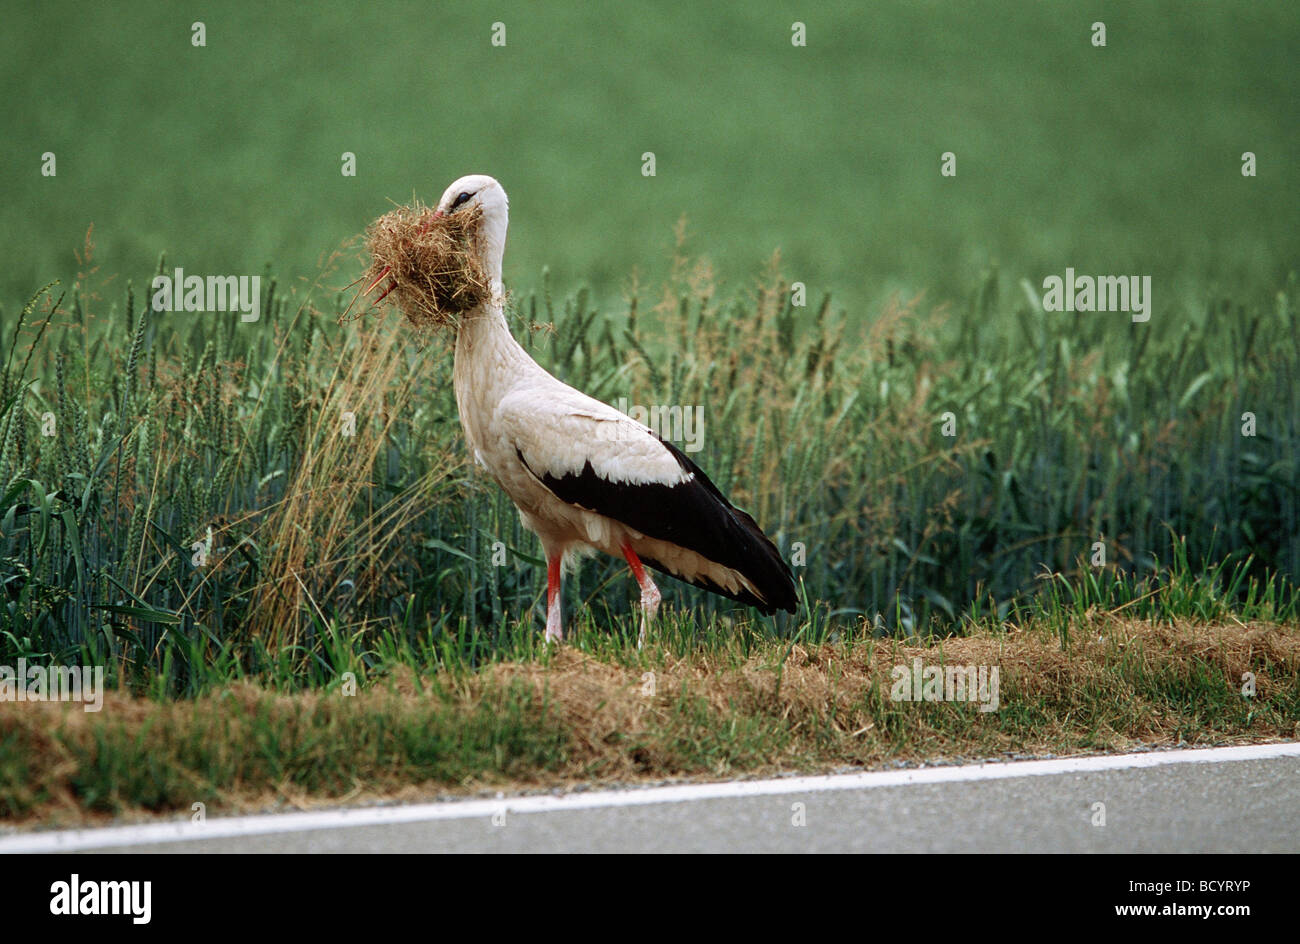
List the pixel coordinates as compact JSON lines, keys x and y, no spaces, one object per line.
{"x":649,"y":592}
{"x":554,"y":631}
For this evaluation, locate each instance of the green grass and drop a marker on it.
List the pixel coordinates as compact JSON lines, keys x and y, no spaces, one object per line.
{"x":250,"y":741}
{"x":326,"y":547}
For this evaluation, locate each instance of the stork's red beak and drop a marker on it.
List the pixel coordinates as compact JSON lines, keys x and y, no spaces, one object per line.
{"x":382,"y":275}
{"x":437,"y":213}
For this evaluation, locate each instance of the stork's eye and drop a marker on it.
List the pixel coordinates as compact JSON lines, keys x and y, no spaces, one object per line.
{"x":463,"y":198}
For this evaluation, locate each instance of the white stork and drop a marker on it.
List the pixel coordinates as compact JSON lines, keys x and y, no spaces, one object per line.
{"x":586,"y":477}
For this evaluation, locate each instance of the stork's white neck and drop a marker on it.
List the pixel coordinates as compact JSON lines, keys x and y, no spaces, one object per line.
{"x":489,"y":363}
{"x":483,"y":331}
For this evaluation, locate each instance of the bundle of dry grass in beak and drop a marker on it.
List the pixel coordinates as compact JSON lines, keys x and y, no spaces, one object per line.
{"x":430,"y":261}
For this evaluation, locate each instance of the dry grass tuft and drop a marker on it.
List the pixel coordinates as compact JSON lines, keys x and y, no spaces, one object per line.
{"x":313,"y":539}
{"x":821,"y":697}
{"x":431,"y":262}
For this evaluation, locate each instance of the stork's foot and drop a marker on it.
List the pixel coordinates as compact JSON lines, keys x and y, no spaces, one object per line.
{"x":553,"y":631}
{"x":650,"y":599}
{"x":649,"y":593}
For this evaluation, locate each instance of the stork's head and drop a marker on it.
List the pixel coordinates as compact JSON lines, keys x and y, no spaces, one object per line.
{"x":485,"y":192}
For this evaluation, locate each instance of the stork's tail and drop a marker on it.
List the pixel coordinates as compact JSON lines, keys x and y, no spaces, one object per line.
{"x":728,"y":536}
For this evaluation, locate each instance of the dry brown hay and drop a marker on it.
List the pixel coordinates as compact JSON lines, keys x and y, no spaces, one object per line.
{"x":429,"y":264}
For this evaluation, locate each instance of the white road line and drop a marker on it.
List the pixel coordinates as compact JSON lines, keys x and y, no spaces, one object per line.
{"x":227,"y":827}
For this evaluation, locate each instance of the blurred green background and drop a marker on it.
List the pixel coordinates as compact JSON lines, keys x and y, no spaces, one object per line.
{"x":1117,"y":160}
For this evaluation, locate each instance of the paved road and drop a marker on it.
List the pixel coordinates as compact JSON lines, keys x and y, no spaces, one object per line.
{"x":1220,"y":800}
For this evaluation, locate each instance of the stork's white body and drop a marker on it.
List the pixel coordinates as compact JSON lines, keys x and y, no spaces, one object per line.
{"x":585,"y":476}
{"x":510,"y":405}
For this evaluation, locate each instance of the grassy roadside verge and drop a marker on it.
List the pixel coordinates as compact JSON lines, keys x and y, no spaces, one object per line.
{"x":599,"y":712}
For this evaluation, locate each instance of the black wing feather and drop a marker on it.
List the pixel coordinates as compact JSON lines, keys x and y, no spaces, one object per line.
{"x":693,"y":515}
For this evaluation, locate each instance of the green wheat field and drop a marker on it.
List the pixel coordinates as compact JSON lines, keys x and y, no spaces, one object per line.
{"x":180,"y":501}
